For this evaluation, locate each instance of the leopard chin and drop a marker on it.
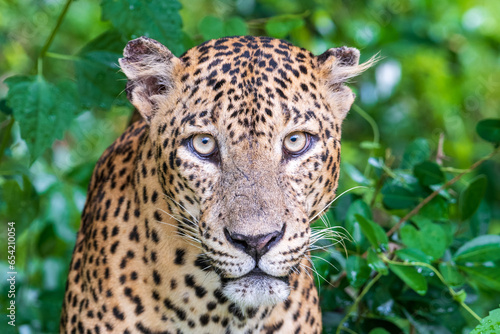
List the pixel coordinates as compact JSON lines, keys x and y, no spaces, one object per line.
{"x":256,"y":289}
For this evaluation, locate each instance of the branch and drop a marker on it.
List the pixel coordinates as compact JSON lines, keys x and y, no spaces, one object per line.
{"x":435,"y":193}
{"x":48,"y":42}
{"x":454,"y":294}
{"x":356,"y":302}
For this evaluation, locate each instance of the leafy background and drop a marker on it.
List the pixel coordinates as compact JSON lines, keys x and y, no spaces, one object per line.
{"x":414,"y":249}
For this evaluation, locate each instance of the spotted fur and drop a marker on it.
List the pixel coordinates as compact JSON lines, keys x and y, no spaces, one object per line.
{"x":163,"y":244}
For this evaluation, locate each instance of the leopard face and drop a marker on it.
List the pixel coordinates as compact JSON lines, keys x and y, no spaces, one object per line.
{"x":246,"y":140}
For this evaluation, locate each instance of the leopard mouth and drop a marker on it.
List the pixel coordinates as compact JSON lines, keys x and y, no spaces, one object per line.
{"x":255,"y":274}
{"x":256,"y":289}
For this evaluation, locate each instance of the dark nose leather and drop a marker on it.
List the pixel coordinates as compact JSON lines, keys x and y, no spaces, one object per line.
{"x":254,"y":245}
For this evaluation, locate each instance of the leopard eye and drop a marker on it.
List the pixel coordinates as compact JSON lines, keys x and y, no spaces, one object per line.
{"x":204,"y":144}
{"x":296,"y":142}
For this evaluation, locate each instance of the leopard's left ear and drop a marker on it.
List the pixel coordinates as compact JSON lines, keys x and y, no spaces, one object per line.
{"x":149,"y":67}
{"x":336,"y":66}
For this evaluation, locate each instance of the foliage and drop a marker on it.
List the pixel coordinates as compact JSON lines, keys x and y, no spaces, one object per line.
{"x":421,"y":236}
{"x":490,"y":324}
{"x":156,"y":19}
{"x":395,"y":278}
{"x":42,"y":109}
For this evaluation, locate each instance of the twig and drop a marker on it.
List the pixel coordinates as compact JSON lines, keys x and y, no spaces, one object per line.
{"x":435,"y":193}
{"x":356,"y":302}
{"x":374,"y":126}
{"x":62,"y":56}
{"x":378,"y":187}
{"x":339,"y":279}
{"x":370,"y":120}
{"x":454,"y":294}
{"x":440,"y":156}
{"x":48,"y":42}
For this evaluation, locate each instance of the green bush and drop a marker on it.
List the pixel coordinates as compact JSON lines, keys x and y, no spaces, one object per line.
{"x":411,"y":244}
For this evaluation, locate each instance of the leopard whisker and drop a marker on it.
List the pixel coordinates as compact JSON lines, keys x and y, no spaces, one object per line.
{"x":325,"y":260}
{"x":336,"y":198}
{"x":332,"y":235}
{"x":179,"y":204}
{"x":183,"y":233}
{"x":184,"y":220}
{"x":295,"y":270}
{"x":190,"y":226}
{"x":313,"y":270}
{"x":306,"y":271}
{"x":187,"y":227}
{"x":323,"y":248}
{"x":332,"y":228}
{"x":182,"y":229}
{"x":328,"y":236}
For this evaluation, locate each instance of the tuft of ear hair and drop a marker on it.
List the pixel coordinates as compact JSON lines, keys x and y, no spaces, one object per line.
{"x":149,"y":67}
{"x":336,"y":67}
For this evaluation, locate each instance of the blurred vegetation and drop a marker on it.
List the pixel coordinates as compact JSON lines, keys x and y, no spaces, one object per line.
{"x":411,"y":135}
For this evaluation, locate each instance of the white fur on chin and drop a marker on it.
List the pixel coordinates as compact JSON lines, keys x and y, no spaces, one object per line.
{"x":256,"y":290}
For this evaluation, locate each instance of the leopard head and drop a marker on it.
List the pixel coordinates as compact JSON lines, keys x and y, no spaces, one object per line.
{"x":246,"y":134}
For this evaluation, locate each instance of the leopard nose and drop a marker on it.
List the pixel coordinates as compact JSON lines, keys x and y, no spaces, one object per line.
{"x":254,"y":245}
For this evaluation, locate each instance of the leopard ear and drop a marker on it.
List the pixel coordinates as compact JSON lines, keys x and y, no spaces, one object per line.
{"x":336,"y":67}
{"x":149,"y":67}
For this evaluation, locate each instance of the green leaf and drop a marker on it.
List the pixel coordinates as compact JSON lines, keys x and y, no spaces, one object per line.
{"x":471,"y":197}
{"x":235,"y":26}
{"x":357,"y":271}
{"x":211,"y":27}
{"x":373,"y":232}
{"x":42,"y":110}
{"x":489,"y":130}
{"x":430,"y":238}
{"x":49,"y":243}
{"x":13,"y":167}
{"x":155,"y":19}
{"x":4,"y":107}
{"x":428,"y":173}
{"x":398,"y":197}
{"x":480,"y":221}
{"x":379,"y":331}
{"x":413,"y":255}
{"x":436,"y":209}
{"x":377,"y":163}
{"x":416,"y":152}
{"x":411,"y":277}
{"x":358,"y":207}
{"x":98,"y":77}
{"x":355,"y":174}
{"x":375,"y":263}
{"x":327,"y":265}
{"x":481,"y":249}
{"x":280,"y":27}
{"x":451,"y":274}
{"x":19,"y":204}
{"x":489,"y":324}
{"x":369,"y":145}
{"x":486,"y":277}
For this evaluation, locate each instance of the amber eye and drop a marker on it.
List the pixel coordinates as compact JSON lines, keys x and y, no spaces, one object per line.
{"x":204,"y":144}
{"x":296,"y":142}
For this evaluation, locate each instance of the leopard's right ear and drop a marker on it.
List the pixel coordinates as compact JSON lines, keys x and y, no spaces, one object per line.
{"x":149,"y":67}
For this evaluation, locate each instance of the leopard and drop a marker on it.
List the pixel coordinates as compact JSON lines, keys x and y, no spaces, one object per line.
{"x":198,"y":217}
